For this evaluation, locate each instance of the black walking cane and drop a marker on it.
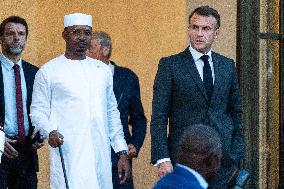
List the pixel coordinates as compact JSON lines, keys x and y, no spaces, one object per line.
{"x":63,"y":167}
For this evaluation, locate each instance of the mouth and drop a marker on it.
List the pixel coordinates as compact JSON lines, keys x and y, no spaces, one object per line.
{"x":82,"y":45}
{"x":199,"y":43}
{"x":16,"y":50}
{"x":16,"y":45}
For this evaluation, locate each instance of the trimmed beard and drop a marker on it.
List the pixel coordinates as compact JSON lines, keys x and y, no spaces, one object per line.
{"x":16,"y":51}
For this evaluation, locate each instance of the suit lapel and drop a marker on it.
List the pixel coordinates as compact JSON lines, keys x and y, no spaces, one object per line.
{"x":191,"y":67}
{"x":2,"y":100}
{"x":118,"y":86}
{"x":218,"y":75}
{"x":29,"y":82}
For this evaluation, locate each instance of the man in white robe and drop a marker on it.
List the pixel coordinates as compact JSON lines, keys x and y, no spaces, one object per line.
{"x":74,"y":104}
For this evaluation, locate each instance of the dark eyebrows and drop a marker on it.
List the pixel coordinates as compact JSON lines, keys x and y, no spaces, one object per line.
{"x":194,"y":26}
{"x":10,"y":32}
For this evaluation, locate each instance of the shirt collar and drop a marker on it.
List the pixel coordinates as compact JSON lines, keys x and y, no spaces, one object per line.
{"x":110,"y":64}
{"x":8,"y":64}
{"x":71,"y":60}
{"x":196,"y":55}
{"x":199,"y":177}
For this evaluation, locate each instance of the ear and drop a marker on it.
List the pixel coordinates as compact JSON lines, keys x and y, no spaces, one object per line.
{"x":88,"y":52}
{"x":105,"y":51}
{"x":64,"y":35}
{"x":217,"y":33}
{"x":188,"y":30}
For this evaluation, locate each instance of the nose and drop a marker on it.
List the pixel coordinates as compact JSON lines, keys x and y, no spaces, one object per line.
{"x":200,"y":32}
{"x":16,"y":37}
{"x":82,"y":37}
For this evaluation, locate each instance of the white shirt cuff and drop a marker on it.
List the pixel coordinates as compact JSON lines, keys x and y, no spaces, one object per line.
{"x":2,"y":141}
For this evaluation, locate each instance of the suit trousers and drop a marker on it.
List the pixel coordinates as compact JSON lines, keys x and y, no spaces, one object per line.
{"x":115,"y":180}
{"x":19,"y":172}
{"x":225,"y":177}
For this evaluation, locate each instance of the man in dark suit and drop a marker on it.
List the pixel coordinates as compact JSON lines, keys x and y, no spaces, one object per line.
{"x":19,"y":162}
{"x":127,"y":92}
{"x":198,"y":159}
{"x":197,"y":86}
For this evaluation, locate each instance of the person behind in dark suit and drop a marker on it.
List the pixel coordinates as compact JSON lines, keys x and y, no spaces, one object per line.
{"x":198,"y":159}
{"x":127,"y":92}
{"x":19,"y":163}
{"x":197,"y":86}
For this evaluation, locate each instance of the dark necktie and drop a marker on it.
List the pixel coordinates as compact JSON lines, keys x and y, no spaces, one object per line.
{"x":19,"y":104}
{"x":207,"y":76}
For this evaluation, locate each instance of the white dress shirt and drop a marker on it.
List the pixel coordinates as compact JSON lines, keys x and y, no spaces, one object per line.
{"x":200,"y":64}
{"x":10,"y":122}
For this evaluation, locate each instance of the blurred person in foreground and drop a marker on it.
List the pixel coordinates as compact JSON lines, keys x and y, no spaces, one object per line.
{"x":198,"y":160}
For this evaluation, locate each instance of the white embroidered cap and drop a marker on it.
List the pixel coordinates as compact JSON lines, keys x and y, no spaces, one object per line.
{"x":77,"y":19}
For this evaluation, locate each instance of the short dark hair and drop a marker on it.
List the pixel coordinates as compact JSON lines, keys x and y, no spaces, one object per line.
{"x":13,"y":19}
{"x":197,"y":140}
{"x":206,"y":11}
{"x":104,"y":39}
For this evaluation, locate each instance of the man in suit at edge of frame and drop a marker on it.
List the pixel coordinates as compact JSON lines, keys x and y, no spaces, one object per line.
{"x":19,"y":159}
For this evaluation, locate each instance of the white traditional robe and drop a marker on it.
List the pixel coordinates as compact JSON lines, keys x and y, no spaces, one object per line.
{"x":76,"y":98}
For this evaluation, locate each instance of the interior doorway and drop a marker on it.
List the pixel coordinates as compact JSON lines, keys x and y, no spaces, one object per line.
{"x":260,"y":65}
